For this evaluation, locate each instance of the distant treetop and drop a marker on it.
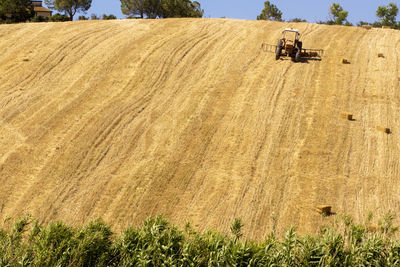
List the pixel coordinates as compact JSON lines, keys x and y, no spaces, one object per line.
{"x":69,"y":7}
{"x":161,"y":8}
{"x":270,"y":12}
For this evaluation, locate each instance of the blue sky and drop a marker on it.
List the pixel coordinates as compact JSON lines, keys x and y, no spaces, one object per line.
{"x":312,"y":10}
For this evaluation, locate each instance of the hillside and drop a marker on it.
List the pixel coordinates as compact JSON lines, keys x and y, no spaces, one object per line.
{"x":191,"y":119}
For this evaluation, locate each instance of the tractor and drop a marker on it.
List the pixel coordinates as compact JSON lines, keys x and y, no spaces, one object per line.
{"x":291,"y":46}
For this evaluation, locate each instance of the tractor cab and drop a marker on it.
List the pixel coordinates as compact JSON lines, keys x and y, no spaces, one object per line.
{"x":290,"y":37}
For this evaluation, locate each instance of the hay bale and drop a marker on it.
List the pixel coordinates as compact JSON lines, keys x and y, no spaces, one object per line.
{"x":347,"y":116}
{"x":345,"y":61}
{"x":324,"y":210}
{"x":383,"y":129}
{"x":368,"y":27}
{"x":386,"y":27}
{"x":381,"y":55}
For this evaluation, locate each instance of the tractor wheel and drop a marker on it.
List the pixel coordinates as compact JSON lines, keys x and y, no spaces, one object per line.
{"x":298,"y":55}
{"x":298,"y":52}
{"x":278,"y":50}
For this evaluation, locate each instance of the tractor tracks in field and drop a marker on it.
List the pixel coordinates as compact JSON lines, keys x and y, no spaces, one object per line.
{"x":123,"y":119}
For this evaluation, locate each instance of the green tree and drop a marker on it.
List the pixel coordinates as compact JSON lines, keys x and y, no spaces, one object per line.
{"x":59,"y":18}
{"x":133,"y":8}
{"x":270,"y":12}
{"x":388,"y":14}
{"x":16,"y":10}
{"x":69,"y":7}
{"x":152,"y":8}
{"x":361,"y":23}
{"x":141,"y":8}
{"x":180,"y":8}
{"x":109,"y":17}
{"x":339,"y":15}
{"x":161,"y":8}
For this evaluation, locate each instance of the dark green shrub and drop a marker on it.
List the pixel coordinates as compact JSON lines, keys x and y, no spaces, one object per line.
{"x":59,"y":18}
{"x":39,"y":19}
{"x":93,"y":244}
{"x":109,"y":17}
{"x":53,"y":244}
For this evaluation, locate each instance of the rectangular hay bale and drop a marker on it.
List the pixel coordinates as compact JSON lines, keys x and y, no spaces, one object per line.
{"x":386,"y":27}
{"x":345,"y":61}
{"x":347,"y":116}
{"x":383,"y":129}
{"x":368,"y":27}
{"x":380,"y":55}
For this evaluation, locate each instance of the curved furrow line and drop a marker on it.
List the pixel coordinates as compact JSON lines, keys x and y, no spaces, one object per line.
{"x":131,"y":119}
{"x":125,"y":113}
{"x":42,"y":65}
{"x":80,"y":40}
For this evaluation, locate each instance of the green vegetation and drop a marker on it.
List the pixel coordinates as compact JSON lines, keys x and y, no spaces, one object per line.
{"x":297,"y":20}
{"x":13,"y":11}
{"x":388,"y":14}
{"x":270,"y":12}
{"x":82,"y":17}
{"x":55,"y":18}
{"x":158,"y":243}
{"x":161,"y":8}
{"x":339,"y":15}
{"x":69,"y":7}
{"x":109,"y":17}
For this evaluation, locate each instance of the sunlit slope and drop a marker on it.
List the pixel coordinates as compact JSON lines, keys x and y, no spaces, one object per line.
{"x":191,"y":119}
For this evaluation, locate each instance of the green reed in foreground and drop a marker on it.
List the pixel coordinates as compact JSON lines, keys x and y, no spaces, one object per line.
{"x":158,"y":243}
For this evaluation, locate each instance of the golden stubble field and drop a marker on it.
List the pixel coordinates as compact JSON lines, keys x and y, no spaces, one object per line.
{"x":191,"y":119}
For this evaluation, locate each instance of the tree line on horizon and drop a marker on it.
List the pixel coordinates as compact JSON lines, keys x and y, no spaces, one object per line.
{"x":14,"y":11}
{"x":153,"y":9}
{"x":338,"y":16}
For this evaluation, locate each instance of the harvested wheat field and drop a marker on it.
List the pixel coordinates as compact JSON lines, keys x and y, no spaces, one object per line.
{"x":191,"y":119}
